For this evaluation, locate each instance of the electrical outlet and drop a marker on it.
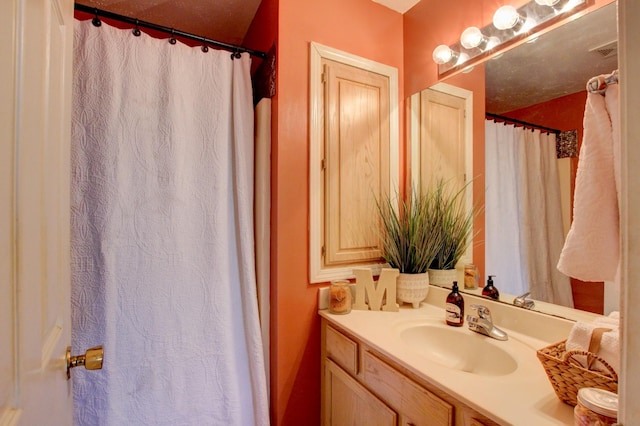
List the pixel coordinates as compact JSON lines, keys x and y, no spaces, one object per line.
{"x":323,"y":298}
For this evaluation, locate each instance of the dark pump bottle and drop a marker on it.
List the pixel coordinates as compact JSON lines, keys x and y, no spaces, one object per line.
{"x":489,"y":290}
{"x":455,"y":307}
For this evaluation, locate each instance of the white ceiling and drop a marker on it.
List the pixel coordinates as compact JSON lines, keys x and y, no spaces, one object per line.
{"x":398,"y":5}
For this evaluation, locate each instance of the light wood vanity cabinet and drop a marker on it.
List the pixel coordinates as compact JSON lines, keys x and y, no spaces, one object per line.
{"x":362,"y":387}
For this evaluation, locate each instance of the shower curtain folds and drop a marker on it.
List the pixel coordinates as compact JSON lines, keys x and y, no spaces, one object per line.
{"x":524,"y":232}
{"x":163,"y":269}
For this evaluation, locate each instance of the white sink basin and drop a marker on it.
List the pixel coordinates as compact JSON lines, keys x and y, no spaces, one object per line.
{"x":459,"y":349}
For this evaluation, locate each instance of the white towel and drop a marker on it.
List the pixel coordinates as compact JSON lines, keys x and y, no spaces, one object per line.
{"x":580,"y":339}
{"x":591,"y":250}
{"x":613,"y":320}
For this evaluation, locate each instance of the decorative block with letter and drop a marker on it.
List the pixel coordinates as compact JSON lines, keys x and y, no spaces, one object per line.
{"x":368,"y":290}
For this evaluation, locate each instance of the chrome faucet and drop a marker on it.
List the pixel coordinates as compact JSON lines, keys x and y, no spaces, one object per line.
{"x":483,"y":324}
{"x":523,"y":301}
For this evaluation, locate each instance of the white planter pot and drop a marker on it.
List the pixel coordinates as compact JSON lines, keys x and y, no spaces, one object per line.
{"x":443,"y":277}
{"x":412,"y":288}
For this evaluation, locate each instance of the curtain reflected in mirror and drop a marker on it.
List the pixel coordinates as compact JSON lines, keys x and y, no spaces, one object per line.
{"x":523,"y":215}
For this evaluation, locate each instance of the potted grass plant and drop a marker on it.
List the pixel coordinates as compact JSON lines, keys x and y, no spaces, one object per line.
{"x":410,"y":242}
{"x":455,"y":222}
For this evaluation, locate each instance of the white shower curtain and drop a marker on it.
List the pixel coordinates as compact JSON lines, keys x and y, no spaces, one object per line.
{"x":524,"y":233}
{"x":163,"y":270}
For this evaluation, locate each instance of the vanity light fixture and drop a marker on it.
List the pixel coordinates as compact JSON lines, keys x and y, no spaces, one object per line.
{"x":549,"y":3}
{"x":443,"y":54}
{"x":473,"y":37}
{"x":509,"y":25}
{"x":493,"y":42}
{"x":559,"y":5}
{"x":508,"y":18}
{"x":462,"y":58}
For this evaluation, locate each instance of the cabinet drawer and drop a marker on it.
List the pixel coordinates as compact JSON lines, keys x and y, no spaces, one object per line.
{"x":342,"y":350}
{"x":418,"y":405}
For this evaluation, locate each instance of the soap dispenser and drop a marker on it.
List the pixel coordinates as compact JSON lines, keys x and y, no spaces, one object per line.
{"x":455,"y":307}
{"x":489,"y":290}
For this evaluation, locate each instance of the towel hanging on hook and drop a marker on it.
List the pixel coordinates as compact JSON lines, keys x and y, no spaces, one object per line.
{"x":599,"y":83}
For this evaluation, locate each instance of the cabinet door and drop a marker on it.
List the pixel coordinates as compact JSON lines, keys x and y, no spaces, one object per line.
{"x":353,"y":159}
{"x":418,"y":406}
{"x":442,"y":136}
{"x":346,"y":402}
{"x":356,"y":161}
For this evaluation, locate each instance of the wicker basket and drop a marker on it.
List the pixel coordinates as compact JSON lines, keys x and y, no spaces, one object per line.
{"x":567,"y":375}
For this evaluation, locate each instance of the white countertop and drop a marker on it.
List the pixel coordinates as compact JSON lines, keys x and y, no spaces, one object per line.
{"x":522,"y":397}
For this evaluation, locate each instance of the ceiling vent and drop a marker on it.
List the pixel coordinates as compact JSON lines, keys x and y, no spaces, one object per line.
{"x":607,"y":50}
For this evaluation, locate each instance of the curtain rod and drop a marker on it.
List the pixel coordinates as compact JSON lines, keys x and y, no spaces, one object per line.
{"x":523,"y":123}
{"x":172,"y":31}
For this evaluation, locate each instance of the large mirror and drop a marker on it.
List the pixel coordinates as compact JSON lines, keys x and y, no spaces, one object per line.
{"x":555,"y":65}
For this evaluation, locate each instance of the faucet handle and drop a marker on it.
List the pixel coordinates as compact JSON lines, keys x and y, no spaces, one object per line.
{"x":523,"y":301}
{"x":483,"y":311}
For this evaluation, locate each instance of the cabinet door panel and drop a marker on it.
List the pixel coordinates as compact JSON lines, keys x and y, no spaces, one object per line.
{"x":356,"y":161}
{"x":349,"y":403}
{"x":417,"y":405}
{"x":342,"y":350}
{"x":442,"y":136}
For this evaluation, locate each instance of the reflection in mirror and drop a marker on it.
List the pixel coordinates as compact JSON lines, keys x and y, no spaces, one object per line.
{"x":539,"y":83}
{"x":510,"y":24}
{"x":550,"y":92}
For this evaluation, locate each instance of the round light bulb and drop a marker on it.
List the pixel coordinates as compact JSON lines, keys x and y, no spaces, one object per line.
{"x":442,"y":54}
{"x":471,"y":37}
{"x":505,"y":17}
{"x":492,"y":42}
{"x":462,"y":58}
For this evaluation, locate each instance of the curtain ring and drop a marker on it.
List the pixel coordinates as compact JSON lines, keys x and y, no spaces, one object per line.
{"x":136,"y":31}
{"x":236,"y":55}
{"x":96,"y":21}
{"x":204,"y":47}
{"x":172,"y":39}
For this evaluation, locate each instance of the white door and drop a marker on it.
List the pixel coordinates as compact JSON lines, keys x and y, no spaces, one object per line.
{"x":35,"y":104}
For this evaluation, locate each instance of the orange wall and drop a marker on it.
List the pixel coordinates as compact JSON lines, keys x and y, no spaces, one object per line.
{"x":360,"y":27}
{"x":426,"y":26}
{"x":263,"y":31}
{"x":367,"y":29}
{"x":563,"y":113}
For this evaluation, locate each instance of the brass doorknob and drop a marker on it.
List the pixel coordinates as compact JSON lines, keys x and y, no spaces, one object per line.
{"x":92,"y":359}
